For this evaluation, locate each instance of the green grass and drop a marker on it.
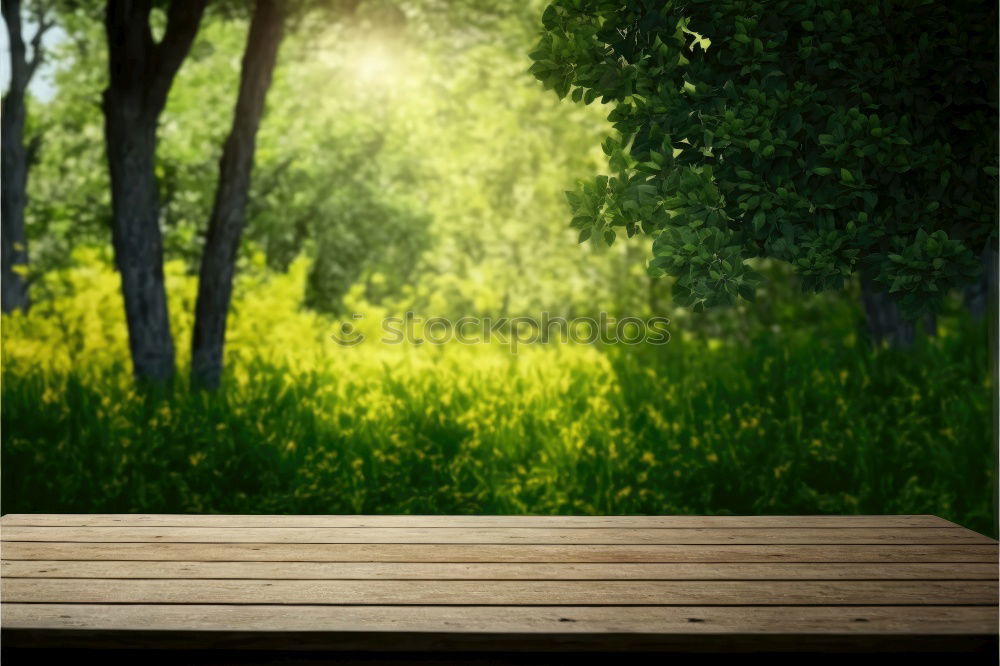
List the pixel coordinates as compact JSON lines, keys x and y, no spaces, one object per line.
{"x":785,"y":425}
{"x":791,"y":419}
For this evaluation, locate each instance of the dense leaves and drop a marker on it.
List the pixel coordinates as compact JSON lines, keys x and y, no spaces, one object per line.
{"x":838,"y":136}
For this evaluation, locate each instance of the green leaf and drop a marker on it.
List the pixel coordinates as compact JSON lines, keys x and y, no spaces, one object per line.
{"x":549,"y":17}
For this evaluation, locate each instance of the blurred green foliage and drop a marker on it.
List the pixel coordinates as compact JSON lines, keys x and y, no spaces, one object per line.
{"x":418,"y":160}
{"x":416,"y":166}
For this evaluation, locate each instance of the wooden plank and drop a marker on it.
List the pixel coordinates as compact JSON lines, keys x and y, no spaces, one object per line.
{"x":439,"y":628}
{"x":497,"y":571}
{"x":498,"y":593}
{"x":511,"y":535}
{"x":551,"y":522}
{"x":431,"y":583}
{"x":262,"y":552}
{"x":835,"y":620}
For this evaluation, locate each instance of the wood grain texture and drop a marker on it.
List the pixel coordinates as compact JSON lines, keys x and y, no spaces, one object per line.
{"x":498,"y":583}
{"x":616,"y":522}
{"x":266,"y":552}
{"x":497,"y":593}
{"x":517,"y":619}
{"x":563,"y":629}
{"x":497,"y":570}
{"x":500,"y":535}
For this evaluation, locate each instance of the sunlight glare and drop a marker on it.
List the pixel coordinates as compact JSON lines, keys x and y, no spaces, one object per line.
{"x":375,"y":66}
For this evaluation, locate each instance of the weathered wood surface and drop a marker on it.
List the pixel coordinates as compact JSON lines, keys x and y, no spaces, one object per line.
{"x":526,"y":628}
{"x":498,"y":570}
{"x":503,"y":535}
{"x":617,"y":522}
{"x":270,"y":552}
{"x":498,"y":583}
{"x":499,"y":593}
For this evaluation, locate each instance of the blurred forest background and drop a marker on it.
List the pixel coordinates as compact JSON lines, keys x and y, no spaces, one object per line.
{"x":406,"y":161}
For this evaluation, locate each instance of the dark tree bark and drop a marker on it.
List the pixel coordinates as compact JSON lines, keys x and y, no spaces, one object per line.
{"x":882,"y":317}
{"x":885,"y":323}
{"x":977,"y":296}
{"x":218,"y":262}
{"x":141,"y":73}
{"x":15,"y":158}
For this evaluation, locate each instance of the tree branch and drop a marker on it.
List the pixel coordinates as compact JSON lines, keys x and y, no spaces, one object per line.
{"x":41,"y":17}
{"x":32,"y":149}
{"x":183,"y":20}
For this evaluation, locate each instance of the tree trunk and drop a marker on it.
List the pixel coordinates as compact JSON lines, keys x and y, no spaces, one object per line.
{"x":141,"y":73}
{"x":218,"y":262}
{"x":977,"y":296}
{"x":14,"y":161}
{"x":882,"y":317}
{"x":131,"y":145}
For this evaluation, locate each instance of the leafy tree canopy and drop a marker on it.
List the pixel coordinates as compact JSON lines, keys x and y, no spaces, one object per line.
{"x":840,"y":136}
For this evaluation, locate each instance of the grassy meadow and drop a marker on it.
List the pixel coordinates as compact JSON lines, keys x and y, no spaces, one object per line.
{"x":795,"y":422}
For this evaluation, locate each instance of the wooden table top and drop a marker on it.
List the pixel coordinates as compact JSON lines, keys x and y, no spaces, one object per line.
{"x":498,"y":583}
